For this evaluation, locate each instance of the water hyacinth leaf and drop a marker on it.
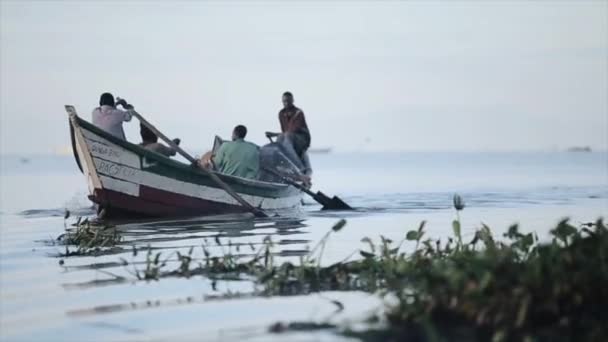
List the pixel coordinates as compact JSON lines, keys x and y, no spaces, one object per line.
{"x":370,"y":243}
{"x":485,"y":234}
{"x":421,"y":227}
{"x":528,"y":240}
{"x":513,"y":232}
{"x":412,"y":235}
{"x":475,"y":239}
{"x":367,"y":254}
{"x":385,"y":241}
{"x":339,"y":225}
{"x":564,"y":230}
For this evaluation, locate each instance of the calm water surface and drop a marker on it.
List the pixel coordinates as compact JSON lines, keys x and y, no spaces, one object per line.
{"x":96,"y":298}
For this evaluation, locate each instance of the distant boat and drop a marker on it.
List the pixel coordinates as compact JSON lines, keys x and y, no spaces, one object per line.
{"x":579,"y":149}
{"x":24,"y":160}
{"x":320,"y":150}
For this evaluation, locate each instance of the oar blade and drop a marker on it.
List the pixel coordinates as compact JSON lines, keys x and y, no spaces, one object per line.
{"x":338,"y":204}
{"x":334,"y":203}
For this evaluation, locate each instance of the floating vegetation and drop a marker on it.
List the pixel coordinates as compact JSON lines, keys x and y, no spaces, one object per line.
{"x":484,"y":289}
{"x":513,"y":288}
{"x":88,"y":237}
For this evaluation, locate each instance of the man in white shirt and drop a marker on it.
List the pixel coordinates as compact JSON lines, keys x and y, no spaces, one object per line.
{"x":109,"y":118}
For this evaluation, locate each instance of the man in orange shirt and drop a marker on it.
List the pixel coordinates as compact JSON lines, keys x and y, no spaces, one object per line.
{"x":293,"y":125}
{"x":295,"y":135}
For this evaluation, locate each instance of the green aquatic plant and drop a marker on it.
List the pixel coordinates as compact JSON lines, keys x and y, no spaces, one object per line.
{"x":511,"y":290}
{"x":88,"y":237}
{"x":514,"y":288}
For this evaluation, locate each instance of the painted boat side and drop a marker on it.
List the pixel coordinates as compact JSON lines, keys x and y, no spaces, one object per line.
{"x":130,"y":178}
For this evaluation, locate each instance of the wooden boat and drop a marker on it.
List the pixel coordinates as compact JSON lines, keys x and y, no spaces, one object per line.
{"x":125,"y":179}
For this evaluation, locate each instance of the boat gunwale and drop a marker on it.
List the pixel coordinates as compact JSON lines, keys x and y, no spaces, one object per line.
{"x":80,"y":123}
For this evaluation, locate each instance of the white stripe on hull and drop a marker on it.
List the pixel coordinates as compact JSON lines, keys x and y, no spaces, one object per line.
{"x":137,"y":177}
{"x":120,"y":186}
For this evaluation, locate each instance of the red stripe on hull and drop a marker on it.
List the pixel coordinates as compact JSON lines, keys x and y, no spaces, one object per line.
{"x":159,"y":203}
{"x":186,"y":202}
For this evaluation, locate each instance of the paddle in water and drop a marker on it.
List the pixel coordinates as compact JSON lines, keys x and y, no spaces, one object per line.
{"x":328,"y":203}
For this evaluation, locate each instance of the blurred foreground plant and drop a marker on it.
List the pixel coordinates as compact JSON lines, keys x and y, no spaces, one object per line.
{"x":486,"y":289}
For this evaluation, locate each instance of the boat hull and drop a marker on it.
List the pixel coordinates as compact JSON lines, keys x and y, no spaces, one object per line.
{"x":126,"y":179}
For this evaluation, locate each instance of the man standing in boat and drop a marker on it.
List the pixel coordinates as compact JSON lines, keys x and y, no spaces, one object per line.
{"x":109,"y":118}
{"x":294,"y":136}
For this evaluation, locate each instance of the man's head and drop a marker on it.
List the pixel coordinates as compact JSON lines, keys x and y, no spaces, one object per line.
{"x":147,"y":135}
{"x":287,"y":99}
{"x":106,"y":99}
{"x":239,"y":132}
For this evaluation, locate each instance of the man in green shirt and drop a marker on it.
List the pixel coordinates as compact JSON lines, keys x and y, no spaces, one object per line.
{"x":238,"y":157}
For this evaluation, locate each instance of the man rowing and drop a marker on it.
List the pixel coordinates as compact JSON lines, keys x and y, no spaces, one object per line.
{"x":295,"y":135}
{"x":149,"y":140}
{"x":109,"y":118}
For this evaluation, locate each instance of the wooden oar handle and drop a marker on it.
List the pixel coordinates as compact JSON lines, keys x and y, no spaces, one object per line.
{"x":257,"y":212}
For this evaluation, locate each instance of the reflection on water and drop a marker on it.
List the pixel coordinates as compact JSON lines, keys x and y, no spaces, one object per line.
{"x":238,"y":234}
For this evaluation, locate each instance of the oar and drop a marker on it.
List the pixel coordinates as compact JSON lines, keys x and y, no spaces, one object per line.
{"x":333,"y":203}
{"x":257,"y":212}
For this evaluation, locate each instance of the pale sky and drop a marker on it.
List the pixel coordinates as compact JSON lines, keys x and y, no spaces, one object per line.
{"x":409,"y":76}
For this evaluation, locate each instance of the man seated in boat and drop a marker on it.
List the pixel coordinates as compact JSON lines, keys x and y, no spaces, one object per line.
{"x":238,"y":157}
{"x":295,"y":135}
{"x":150,"y":142}
{"x":109,"y":118}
